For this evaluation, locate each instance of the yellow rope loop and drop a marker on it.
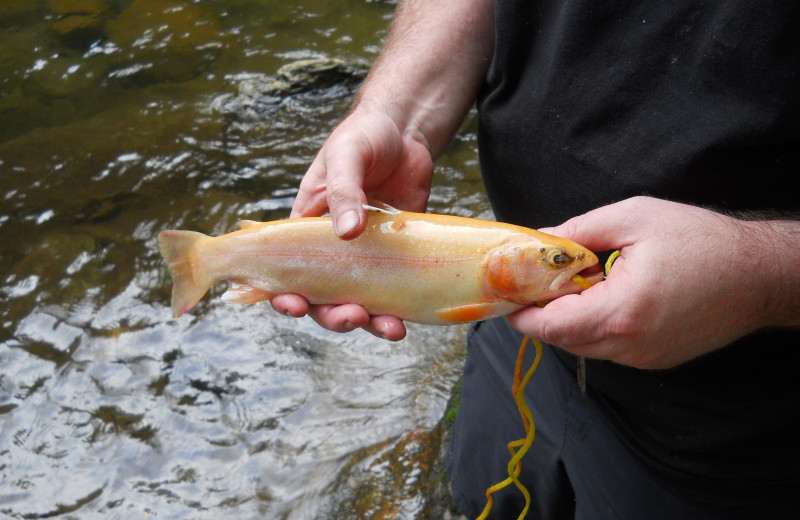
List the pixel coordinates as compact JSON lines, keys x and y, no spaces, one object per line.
{"x":611,"y":260}
{"x":520,"y":447}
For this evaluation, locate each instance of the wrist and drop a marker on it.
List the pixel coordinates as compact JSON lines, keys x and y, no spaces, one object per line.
{"x":431,"y":67}
{"x":773,"y":248}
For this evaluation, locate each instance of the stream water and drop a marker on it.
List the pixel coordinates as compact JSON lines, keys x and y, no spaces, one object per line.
{"x":120,"y":118}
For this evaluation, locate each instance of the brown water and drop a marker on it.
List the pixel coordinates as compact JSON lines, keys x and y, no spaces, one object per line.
{"x":120,"y":118}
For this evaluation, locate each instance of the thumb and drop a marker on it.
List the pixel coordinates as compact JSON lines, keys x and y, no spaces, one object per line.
{"x":346,"y":200}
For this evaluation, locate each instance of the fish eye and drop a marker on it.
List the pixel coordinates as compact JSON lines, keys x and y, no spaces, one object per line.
{"x":558,"y":258}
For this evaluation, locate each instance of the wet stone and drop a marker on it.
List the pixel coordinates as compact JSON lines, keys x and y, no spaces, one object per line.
{"x":319,"y":76}
{"x":79,"y":30}
{"x":310,"y":74}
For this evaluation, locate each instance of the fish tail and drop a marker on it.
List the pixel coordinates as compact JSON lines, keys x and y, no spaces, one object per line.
{"x":189,"y":284}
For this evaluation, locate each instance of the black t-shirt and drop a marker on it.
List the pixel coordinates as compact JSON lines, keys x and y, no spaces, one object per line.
{"x":587,"y":103}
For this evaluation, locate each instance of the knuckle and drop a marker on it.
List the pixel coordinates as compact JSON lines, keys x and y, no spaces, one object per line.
{"x":340,"y":190}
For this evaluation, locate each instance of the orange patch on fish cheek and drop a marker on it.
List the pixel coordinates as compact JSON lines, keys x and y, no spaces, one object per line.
{"x":501,"y":277}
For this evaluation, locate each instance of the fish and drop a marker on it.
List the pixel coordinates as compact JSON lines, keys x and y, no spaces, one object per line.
{"x":420,"y":267}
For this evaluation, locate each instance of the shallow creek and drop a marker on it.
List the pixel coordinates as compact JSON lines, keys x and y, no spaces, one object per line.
{"x":120,"y":118}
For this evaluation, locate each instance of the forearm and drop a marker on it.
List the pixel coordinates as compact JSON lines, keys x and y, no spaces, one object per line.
{"x":431,"y":67}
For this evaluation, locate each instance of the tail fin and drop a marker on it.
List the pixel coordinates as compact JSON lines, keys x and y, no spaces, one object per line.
{"x":187,"y":285}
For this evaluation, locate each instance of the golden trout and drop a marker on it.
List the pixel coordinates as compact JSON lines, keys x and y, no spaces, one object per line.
{"x":424,"y":268}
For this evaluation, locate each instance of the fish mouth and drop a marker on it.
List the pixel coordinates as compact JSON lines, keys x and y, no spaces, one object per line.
{"x":590,"y":275}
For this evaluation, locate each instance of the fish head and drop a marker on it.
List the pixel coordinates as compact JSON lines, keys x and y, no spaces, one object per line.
{"x":536,"y":269}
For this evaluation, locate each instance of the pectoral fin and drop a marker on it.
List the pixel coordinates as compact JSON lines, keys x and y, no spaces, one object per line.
{"x":466,"y":313}
{"x":245,"y":294}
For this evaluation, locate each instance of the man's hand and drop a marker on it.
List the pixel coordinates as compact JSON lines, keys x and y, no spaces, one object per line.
{"x":688,"y":281}
{"x":410,"y":105}
{"x":366,"y":156}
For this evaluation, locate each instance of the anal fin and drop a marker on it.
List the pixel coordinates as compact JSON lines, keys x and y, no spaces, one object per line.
{"x":245,"y":294}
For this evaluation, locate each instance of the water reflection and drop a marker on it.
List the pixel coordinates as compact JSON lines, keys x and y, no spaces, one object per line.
{"x":119,"y":118}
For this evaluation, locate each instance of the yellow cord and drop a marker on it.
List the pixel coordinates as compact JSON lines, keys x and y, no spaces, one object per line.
{"x":584,"y":283}
{"x":611,"y":259}
{"x":581,"y":281}
{"x":520,"y":447}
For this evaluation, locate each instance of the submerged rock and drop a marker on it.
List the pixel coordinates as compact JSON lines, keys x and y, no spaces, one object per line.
{"x":391,"y":480}
{"x":79,"y":30}
{"x":324,"y":78}
{"x":310,"y":74}
{"x":78,"y":22}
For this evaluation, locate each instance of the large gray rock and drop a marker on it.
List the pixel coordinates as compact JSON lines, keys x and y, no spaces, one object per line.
{"x":324,"y":78}
{"x":311,"y":74}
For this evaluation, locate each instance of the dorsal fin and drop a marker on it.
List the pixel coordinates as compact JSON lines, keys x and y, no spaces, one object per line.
{"x":244,"y":224}
{"x":382,"y":207}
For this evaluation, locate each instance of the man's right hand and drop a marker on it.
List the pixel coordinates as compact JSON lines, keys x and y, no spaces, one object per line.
{"x":410,"y":105}
{"x":367,"y":155}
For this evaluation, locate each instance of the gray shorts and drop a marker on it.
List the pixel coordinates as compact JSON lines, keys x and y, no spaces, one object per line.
{"x":577,"y":467}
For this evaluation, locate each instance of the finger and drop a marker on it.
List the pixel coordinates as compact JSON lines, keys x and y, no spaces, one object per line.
{"x":530,"y":321}
{"x":573,"y":319}
{"x":290,"y":305}
{"x":339,"y":318}
{"x":346,"y":168}
{"x":386,"y":327}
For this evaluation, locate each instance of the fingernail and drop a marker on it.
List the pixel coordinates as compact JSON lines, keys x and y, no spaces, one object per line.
{"x":346,"y":222}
